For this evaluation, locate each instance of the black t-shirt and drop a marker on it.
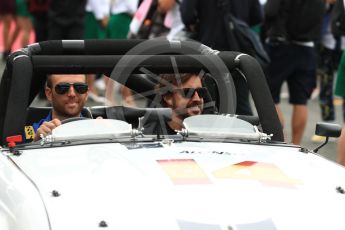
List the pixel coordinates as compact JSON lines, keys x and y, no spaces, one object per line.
{"x":151,"y":128}
{"x":298,"y":20}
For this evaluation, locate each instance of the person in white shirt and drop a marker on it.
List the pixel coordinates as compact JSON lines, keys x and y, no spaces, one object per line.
{"x":96,"y":22}
{"x":173,"y":17}
{"x":97,"y":17}
{"x":122,"y":12}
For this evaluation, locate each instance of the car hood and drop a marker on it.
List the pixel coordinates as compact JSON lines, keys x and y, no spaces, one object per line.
{"x":186,"y":185}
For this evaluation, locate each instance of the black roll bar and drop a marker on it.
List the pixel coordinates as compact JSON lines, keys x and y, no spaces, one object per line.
{"x":90,"y":56}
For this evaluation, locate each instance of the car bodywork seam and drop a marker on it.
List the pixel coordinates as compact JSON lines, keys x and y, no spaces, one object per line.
{"x":35,"y":186}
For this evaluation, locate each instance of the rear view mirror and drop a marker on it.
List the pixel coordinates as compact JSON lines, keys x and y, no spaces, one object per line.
{"x":326,"y":130}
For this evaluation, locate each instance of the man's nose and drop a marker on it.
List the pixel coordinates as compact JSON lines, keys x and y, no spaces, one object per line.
{"x":196,"y":96}
{"x":71,"y":91}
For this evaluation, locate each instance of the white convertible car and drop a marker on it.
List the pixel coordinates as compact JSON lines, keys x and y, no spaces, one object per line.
{"x":221,"y":172}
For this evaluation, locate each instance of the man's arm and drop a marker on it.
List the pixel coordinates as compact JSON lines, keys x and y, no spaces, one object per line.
{"x":165,"y":5}
{"x":46,"y":128}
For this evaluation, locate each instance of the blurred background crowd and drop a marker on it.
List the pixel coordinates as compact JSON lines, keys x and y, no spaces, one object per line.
{"x":303,"y":39}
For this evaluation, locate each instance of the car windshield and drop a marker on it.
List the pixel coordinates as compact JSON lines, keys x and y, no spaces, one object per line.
{"x":200,"y":127}
{"x":217,"y":124}
{"x":225,"y":127}
{"x":92,"y":129}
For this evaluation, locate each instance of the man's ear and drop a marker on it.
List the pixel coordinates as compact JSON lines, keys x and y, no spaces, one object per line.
{"x":168,"y":100}
{"x":48,"y":91}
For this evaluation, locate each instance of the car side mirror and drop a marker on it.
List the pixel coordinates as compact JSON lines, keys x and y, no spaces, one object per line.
{"x":326,"y":130}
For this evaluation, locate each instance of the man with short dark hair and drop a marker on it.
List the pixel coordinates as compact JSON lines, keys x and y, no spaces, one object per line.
{"x":184,"y":94}
{"x":68,"y":95}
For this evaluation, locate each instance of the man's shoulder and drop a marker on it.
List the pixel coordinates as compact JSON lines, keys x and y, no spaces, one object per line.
{"x":36,"y":125}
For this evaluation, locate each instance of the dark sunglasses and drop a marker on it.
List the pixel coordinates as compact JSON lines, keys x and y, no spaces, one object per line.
{"x":189,"y":92}
{"x":63,"y":88}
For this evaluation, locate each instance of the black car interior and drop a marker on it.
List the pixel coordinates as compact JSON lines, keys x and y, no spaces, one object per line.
{"x":26,"y":70}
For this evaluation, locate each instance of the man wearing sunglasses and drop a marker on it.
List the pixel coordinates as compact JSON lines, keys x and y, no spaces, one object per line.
{"x":184,"y":94}
{"x":67,"y":95}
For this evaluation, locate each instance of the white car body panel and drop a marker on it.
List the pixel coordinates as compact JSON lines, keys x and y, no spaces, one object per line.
{"x":186,"y":185}
{"x":21,"y":206}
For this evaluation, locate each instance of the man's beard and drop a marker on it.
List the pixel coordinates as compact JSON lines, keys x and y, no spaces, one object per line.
{"x":63,"y":111}
{"x":183,"y":112}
